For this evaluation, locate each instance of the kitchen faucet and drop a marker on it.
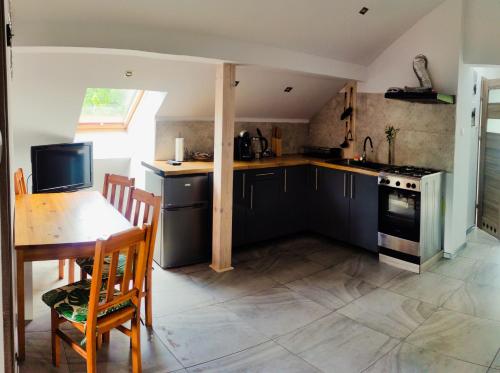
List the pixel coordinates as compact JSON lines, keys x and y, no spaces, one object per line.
{"x":363,"y":157}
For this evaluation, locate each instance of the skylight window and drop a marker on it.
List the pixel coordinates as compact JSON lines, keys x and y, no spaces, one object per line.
{"x":108,"y":108}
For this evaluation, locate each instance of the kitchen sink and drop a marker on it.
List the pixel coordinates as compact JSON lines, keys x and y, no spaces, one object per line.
{"x":361,"y":164}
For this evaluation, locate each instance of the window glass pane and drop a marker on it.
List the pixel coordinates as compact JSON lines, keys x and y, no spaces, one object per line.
{"x":494,"y":96}
{"x":493,"y":125}
{"x":107,"y":105}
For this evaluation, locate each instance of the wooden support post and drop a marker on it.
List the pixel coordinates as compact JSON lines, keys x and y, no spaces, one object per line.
{"x":223,"y":168}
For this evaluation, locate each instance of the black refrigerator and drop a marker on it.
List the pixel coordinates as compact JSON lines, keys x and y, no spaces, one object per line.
{"x":184,"y":235}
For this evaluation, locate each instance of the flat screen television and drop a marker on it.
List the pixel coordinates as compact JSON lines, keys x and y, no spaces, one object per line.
{"x":61,"y":167}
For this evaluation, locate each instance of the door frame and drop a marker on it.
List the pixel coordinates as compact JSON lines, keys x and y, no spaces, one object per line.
{"x":486,"y":85}
{"x":5,"y":208}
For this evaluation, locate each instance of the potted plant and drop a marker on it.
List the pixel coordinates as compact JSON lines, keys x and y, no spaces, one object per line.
{"x":390,"y":134}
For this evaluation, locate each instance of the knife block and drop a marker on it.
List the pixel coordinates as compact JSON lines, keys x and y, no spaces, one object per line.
{"x":276,"y":146}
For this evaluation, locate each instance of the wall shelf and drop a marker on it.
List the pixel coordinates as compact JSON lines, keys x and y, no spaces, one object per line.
{"x":421,"y":97}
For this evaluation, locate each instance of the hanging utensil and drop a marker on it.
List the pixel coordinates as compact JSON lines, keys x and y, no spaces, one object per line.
{"x":347,"y":113}
{"x":345,"y":144}
{"x":347,"y":107}
{"x":349,"y":136}
{"x":349,"y":133}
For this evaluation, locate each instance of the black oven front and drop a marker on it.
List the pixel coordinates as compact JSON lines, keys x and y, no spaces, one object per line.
{"x":399,"y":214}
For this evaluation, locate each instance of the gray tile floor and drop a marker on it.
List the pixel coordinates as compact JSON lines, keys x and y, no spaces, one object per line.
{"x":306,"y":304}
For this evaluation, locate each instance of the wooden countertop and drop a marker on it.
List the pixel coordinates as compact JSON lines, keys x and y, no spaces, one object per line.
{"x":195,"y":167}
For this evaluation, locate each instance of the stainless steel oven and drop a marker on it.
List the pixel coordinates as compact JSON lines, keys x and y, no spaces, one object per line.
{"x":399,"y":219}
{"x":410,"y":216}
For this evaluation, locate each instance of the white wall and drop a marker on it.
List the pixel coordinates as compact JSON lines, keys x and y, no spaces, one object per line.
{"x":142,"y":135}
{"x":482,"y":32}
{"x":462,"y":200}
{"x":455,"y":232}
{"x":474,"y":149}
{"x":437,"y":35}
{"x":118,"y":166}
{"x":41,"y":111}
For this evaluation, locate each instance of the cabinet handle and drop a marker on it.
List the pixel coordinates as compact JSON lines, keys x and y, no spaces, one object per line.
{"x":352,"y":186}
{"x":345,"y":185}
{"x":266,"y":174}
{"x":251,"y":197}
{"x":316,"y":186}
{"x":284,"y":188}
{"x":243,"y":189}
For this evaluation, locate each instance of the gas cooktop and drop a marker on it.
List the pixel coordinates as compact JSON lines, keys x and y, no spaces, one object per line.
{"x":411,"y":171}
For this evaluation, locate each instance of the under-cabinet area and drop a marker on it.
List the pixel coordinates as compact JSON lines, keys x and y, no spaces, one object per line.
{"x":267,"y":203}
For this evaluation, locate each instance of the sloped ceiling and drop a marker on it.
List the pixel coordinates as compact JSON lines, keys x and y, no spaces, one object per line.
{"x":48,"y":89}
{"x":54,"y":82}
{"x":259,"y":94}
{"x":331,"y":29}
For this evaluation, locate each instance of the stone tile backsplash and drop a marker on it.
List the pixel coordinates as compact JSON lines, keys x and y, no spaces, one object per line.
{"x":199,"y":135}
{"x":426,"y":137}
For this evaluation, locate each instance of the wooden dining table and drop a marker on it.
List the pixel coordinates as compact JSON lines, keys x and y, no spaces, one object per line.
{"x":55,"y":226}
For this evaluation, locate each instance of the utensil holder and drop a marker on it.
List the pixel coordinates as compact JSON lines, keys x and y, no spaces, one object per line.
{"x":276,"y":146}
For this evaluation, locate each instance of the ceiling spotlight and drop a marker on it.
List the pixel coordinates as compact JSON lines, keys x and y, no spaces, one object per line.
{"x":288,"y":89}
{"x":363,"y":10}
{"x":128,"y":73}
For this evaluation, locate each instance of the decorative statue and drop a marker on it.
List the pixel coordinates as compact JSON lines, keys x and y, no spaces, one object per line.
{"x":420,"y":69}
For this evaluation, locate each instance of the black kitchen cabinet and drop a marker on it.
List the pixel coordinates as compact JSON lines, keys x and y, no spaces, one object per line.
{"x":328,"y":203}
{"x":263,"y":212}
{"x":344,"y":206}
{"x":333,"y":189}
{"x":240,"y":203}
{"x":271,"y":202}
{"x":316,"y":221}
{"x":257,"y":205}
{"x":293,"y":213}
{"x":363,"y":207}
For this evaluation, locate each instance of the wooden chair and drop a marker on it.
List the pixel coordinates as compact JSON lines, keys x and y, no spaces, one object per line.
{"x":111,"y":184}
{"x":19,"y":182}
{"x":148,"y":205}
{"x":143,"y":208}
{"x":95,"y":307}
{"x":21,"y":188}
{"x":123,"y":183}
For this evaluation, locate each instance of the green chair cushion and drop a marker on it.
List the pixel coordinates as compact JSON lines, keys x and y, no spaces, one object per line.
{"x":71,"y":301}
{"x":87,"y":265}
